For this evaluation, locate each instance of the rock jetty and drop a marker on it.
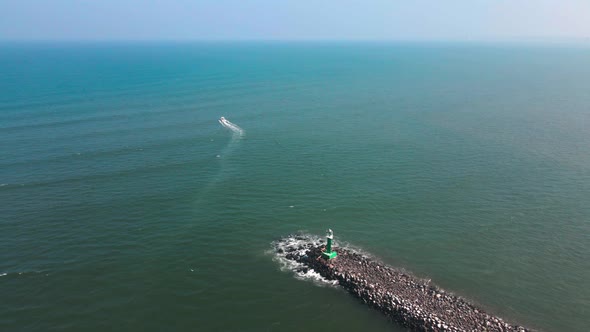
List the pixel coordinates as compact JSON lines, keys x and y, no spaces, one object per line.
{"x":406,"y":299}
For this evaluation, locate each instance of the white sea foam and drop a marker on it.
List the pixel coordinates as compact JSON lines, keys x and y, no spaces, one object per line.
{"x":298,"y":245}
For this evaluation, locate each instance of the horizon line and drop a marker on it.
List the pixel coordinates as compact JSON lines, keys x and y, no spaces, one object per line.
{"x":457,"y":40}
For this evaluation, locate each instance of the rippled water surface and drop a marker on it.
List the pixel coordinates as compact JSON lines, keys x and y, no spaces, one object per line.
{"x":125,"y":205}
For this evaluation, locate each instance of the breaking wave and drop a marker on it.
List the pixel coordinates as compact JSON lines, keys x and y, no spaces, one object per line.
{"x":297,"y":245}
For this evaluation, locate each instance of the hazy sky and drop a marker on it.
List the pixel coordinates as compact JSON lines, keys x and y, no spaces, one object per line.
{"x":295,"y":19}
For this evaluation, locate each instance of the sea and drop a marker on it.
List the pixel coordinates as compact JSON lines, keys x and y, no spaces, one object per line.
{"x":125,"y":205}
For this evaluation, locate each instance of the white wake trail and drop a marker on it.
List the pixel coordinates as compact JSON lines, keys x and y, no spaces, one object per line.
{"x":224,"y":160}
{"x":232,"y":126}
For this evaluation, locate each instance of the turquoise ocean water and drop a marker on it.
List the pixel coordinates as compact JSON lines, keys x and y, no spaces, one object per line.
{"x":126,"y":206}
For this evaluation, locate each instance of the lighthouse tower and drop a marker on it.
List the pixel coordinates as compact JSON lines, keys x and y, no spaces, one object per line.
{"x":329,"y":254}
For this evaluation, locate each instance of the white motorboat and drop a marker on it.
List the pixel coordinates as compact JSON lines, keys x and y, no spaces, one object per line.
{"x":231,"y":126}
{"x":224,"y":121}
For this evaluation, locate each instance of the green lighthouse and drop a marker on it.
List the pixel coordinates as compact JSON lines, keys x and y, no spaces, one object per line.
{"x":329,"y":254}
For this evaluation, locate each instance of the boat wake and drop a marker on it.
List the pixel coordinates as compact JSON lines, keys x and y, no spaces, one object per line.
{"x":239,"y":132}
{"x":223,"y":157}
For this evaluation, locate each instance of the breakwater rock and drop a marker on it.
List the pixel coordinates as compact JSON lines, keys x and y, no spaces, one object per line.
{"x":406,"y":299}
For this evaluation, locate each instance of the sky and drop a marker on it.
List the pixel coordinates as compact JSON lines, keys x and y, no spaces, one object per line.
{"x":471,"y":20}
